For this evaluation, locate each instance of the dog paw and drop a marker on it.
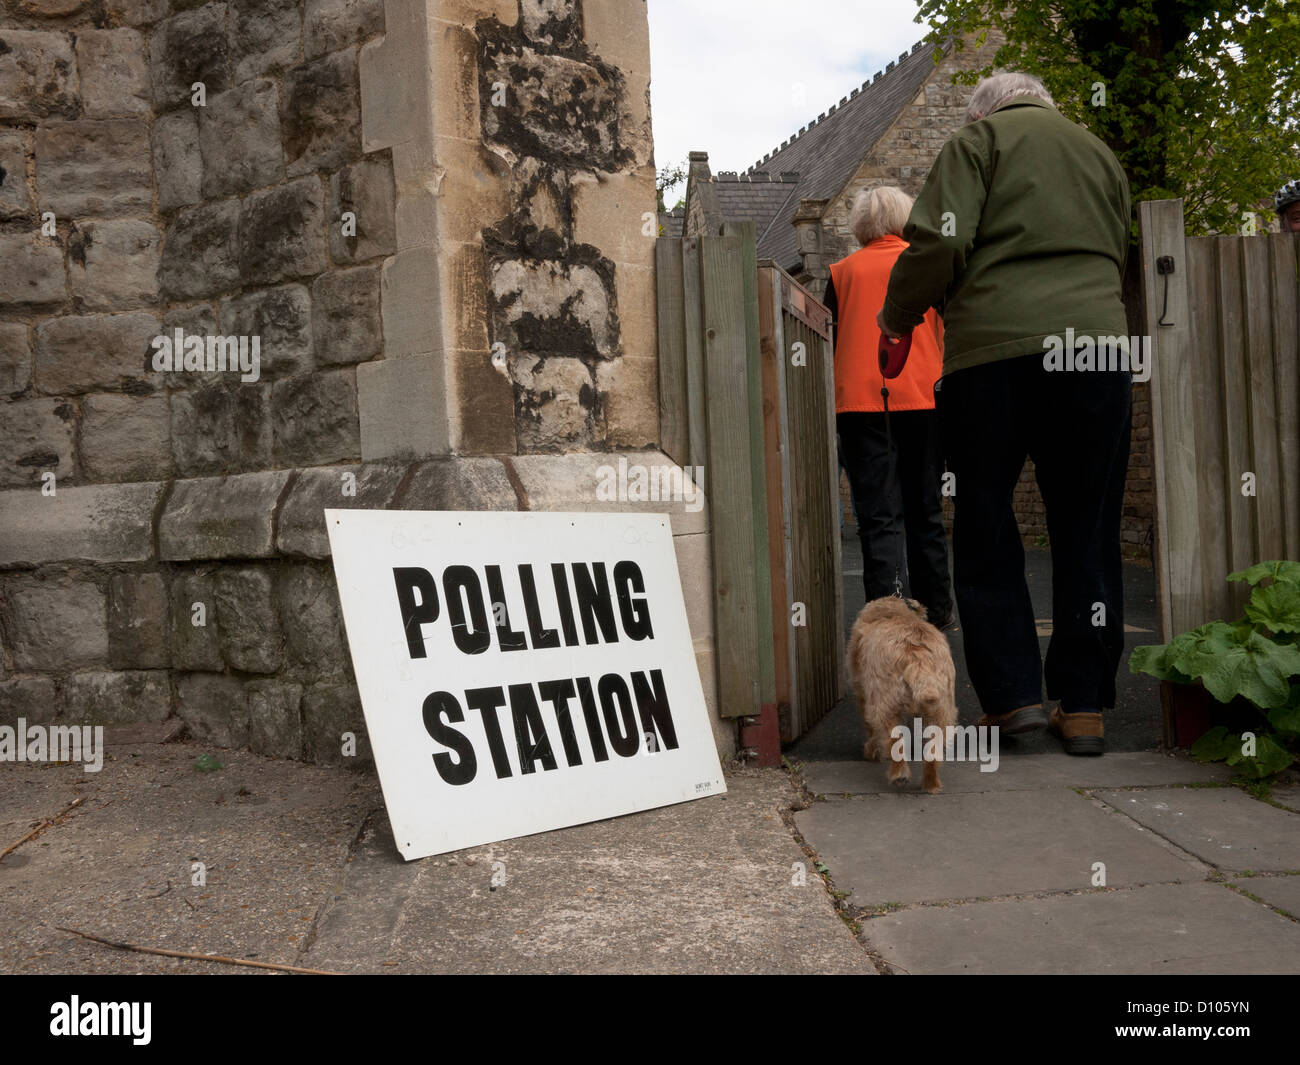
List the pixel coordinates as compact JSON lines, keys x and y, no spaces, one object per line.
{"x":900,"y":782}
{"x":934,"y":789}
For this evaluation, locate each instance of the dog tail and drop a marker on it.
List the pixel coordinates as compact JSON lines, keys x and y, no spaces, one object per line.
{"x":923,"y":682}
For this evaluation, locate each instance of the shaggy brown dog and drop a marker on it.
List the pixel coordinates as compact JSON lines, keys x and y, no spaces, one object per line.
{"x":901,"y":669}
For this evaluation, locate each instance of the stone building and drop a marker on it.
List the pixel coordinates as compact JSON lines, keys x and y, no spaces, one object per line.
{"x":435,"y":217}
{"x":886,"y":131}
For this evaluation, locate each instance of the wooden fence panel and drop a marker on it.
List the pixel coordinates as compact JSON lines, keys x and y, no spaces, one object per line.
{"x":1225,"y":396}
{"x":674,"y":423}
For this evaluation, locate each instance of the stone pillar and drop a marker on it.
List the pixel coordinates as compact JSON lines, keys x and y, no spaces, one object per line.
{"x":522,"y":290}
{"x":808,"y":239}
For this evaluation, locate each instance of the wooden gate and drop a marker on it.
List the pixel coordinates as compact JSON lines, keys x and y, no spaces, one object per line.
{"x":1225,"y":405}
{"x":732,"y":401}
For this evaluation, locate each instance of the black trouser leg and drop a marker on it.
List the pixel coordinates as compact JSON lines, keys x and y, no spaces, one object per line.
{"x":984,"y":432}
{"x":876,"y":495}
{"x":1081,"y":461}
{"x":920,"y":467}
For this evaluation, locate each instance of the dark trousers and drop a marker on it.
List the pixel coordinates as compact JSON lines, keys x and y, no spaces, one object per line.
{"x":1075,"y":427}
{"x":898,"y":505}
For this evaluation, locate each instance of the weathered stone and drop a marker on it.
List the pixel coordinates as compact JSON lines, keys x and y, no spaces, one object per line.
{"x":221,"y":428}
{"x":239,"y":138}
{"x":35,"y":438}
{"x":314,"y":641}
{"x":366,"y":190}
{"x":557,"y":108}
{"x":126,"y":438}
{"x":282,"y":233}
{"x":201,"y":256}
{"x":33,"y":270}
{"x":31,"y":698}
{"x":15,"y":357}
{"x":345,"y":316}
{"x":316,"y":420}
{"x":113,"y":264}
{"x":551,"y":21}
{"x":250,"y":630}
{"x":114,"y":70}
{"x":610,"y":211}
{"x":328,"y":713}
{"x":177,"y":161}
{"x":627,"y":393}
{"x":187,"y":48}
{"x":481,"y":402}
{"x":196,"y":319}
{"x":275,"y":719}
{"x":402,"y":403}
{"x":620,"y":41}
{"x":97,"y":352}
{"x":94,"y":167}
{"x":460,"y":484}
{"x":96,"y":523}
{"x":118,"y":698}
{"x":55,"y":623}
{"x":136,"y":12}
{"x":38,"y":75}
{"x":221,"y":517}
{"x":138,"y":622}
{"x":214,"y":707}
{"x":320,"y":113}
{"x":264,"y":35}
{"x":301,"y":528}
{"x":195,"y":629}
{"x":329,"y":25}
{"x":50,"y":8}
{"x":282,"y":318}
{"x":15,"y":197}
{"x":555,"y":402}
{"x":412,"y":303}
{"x":545,"y":307}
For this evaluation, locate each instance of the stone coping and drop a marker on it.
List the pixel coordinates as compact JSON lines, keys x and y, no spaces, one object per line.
{"x":280,"y":512}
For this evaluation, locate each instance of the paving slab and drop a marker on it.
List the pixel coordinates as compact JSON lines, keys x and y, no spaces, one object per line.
{"x":1168,"y":929}
{"x":1288,"y":796}
{"x":1222,"y":826}
{"x":704,"y":886}
{"x":271,"y":835}
{"x":1280,"y":891}
{"x":1022,"y":773}
{"x":927,"y":848}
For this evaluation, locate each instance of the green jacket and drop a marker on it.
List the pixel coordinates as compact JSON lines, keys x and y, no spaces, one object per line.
{"x":1020,"y":232}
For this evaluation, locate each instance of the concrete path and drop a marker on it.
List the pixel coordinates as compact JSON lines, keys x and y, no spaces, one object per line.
{"x":299,"y":868}
{"x":1134,"y":863}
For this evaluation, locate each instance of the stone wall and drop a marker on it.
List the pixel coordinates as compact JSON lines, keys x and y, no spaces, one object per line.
{"x":437,"y":219}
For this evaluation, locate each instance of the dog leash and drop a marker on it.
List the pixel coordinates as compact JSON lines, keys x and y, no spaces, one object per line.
{"x":893,"y":357}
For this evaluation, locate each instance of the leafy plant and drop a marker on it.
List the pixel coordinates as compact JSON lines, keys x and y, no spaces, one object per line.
{"x":1256,"y":659}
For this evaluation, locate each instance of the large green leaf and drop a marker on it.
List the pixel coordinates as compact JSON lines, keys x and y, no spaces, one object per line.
{"x":1285,"y":572}
{"x":1270,"y":757}
{"x":1286,"y":719}
{"x":1276,"y":607}
{"x":1154,"y":660}
{"x":1216,"y":745}
{"x":1233,"y":660}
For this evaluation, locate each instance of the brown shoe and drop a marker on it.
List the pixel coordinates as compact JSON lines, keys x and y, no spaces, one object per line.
{"x":1025,"y":719}
{"x":1080,"y":733}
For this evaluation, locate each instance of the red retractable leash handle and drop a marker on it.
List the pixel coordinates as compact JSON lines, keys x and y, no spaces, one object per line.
{"x":893,"y":355}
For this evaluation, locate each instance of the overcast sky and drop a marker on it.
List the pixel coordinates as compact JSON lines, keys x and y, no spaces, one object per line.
{"x":735,"y":78}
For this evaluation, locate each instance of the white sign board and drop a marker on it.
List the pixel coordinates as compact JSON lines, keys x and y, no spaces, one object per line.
{"x":520,"y":672}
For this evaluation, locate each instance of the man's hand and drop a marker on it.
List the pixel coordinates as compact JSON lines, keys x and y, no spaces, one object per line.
{"x":884,"y":329}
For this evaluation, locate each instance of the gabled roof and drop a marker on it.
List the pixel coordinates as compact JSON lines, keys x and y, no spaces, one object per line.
{"x":823,"y":156}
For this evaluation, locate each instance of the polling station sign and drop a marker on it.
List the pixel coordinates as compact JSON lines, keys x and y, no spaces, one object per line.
{"x":520,"y":672}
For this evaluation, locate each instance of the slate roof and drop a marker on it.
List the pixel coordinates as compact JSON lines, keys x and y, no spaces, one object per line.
{"x":673,"y":222}
{"x":821,"y":157}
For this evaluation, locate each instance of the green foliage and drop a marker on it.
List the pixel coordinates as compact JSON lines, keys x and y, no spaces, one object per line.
{"x":1256,"y":659}
{"x":1197,"y":99}
{"x":207,"y":763}
{"x":669,"y":177}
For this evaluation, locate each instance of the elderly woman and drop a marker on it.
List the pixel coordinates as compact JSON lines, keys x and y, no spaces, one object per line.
{"x":893,"y":467}
{"x":1021,"y":234}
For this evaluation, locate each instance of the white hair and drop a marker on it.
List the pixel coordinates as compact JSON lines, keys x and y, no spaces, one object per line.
{"x":876,"y":212}
{"x":997,"y":89}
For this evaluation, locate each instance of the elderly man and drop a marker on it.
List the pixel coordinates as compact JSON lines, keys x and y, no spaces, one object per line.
{"x":1019,"y":236}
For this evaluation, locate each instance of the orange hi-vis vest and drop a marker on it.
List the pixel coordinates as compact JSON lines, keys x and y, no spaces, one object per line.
{"x":860,"y":281}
